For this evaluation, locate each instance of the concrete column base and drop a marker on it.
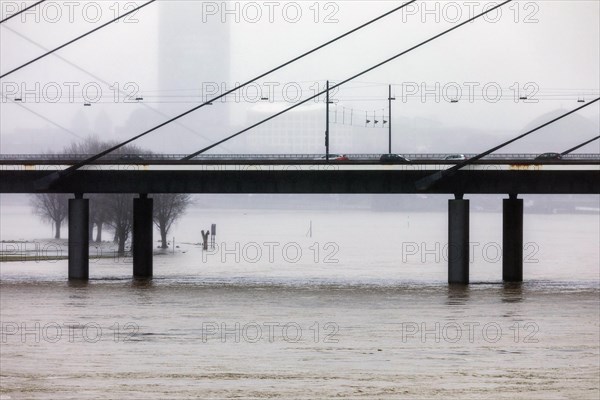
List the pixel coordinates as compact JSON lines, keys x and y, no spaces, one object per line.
{"x":458,"y":241}
{"x":512,"y":240}
{"x":142,"y":237}
{"x":79,"y":253}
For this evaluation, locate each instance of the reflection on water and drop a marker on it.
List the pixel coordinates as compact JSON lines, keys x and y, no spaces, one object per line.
{"x":512,"y":292}
{"x":458,"y":294}
{"x":286,"y":341}
{"x":145,"y":283}
{"x":77,"y":284}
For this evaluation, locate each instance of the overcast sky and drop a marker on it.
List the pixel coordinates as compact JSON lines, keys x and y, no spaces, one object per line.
{"x":549,"y":49}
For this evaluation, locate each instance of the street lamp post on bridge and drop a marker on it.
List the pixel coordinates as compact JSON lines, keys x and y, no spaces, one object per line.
{"x":390,"y":98}
{"x":327,"y":122}
{"x":327,"y":103}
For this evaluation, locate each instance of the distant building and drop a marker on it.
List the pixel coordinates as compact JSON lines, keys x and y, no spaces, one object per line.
{"x":193,"y":55}
{"x":299,"y":131}
{"x":191,"y":51}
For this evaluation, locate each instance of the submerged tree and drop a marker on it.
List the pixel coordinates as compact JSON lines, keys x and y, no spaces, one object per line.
{"x":120,"y":217}
{"x":111,"y":210}
{"x":99,"y":213}
{"x":167,"y":209}
{"x":53,"y":208}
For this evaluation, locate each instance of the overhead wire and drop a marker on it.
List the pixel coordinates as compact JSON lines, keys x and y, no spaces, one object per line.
{"x":363,"y":72}
{"x":107,"y":151}
{"x":21,"y":11}
{"x":76,"y":39}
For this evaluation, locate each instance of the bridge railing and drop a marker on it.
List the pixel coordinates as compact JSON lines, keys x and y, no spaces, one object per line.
{"x":286,"y":157}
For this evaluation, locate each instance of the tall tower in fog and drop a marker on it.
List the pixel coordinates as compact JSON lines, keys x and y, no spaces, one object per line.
{"x":192,"y":54}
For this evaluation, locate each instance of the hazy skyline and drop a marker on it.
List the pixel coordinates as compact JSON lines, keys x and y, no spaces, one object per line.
{"x":265,"y":268}
{"x":559,"y":59}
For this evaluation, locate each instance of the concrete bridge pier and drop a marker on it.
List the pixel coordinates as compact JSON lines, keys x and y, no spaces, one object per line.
{"x":142,"y":237}
{"x":512,"y":239}
{"x":458,"y":240}
{"x":79,"y":221}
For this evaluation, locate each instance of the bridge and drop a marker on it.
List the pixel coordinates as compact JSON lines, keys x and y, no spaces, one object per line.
{"x":510,"y":174}
{"x":198,"y":172}
{"x":361,"y":173}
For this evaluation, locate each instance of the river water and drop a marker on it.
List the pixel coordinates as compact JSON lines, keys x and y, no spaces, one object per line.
{"x":354,"y":307}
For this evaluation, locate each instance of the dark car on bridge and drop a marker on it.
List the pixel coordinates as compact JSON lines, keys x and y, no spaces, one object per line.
{"x":549,"y":157}
{"x":393,"y":159}
{"x":131,"y":157}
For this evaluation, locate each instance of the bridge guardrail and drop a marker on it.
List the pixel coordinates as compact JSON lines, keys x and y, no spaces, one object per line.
{"x":254,"y":157}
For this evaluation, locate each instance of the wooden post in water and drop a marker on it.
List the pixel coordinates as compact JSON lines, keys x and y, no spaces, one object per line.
{"x":213,"y":234}
{"x":205,"y":239}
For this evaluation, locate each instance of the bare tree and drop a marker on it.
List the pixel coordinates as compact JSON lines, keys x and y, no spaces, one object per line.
{"x":99,"y":213}
{"x":94,"y":145}
{"x":53,"y":208}
{"x":107,"y":209}
{"x":120,"y":217}
{"x":167,"y":209}
{"x":113,"y":210}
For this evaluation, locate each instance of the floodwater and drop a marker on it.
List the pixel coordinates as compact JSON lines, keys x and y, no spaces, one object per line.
{"x":358,"y":309}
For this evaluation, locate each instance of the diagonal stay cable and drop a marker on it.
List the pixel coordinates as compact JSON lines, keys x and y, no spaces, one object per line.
{"x":346,"y":81}
{"x":564,"y":153}
{"x":21,"y":11}
{"x":99,"y":79}
{"x":428,"y":181}
{"x":77,"y":38}
{"x":107,"y":151}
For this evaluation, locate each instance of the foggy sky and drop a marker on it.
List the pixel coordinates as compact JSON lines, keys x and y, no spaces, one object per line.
{"x":557,"y":52}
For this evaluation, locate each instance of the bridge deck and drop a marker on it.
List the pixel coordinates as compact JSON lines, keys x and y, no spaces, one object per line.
{"x":303,"y":174}
{"x":299,"y":181}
